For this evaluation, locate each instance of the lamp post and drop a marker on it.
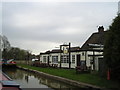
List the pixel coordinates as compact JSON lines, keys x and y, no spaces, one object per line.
{"x":60,"y":54}
{"x":69,"y":55}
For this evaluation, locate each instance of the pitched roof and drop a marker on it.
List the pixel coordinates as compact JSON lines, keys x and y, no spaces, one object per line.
{"x":97,"y":38}
{"x":72,"y":49}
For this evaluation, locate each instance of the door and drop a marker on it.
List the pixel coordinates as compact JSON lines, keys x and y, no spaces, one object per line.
{"x":48,"y":60}
{"x":78,"y":60}
{"x":101,"y":65}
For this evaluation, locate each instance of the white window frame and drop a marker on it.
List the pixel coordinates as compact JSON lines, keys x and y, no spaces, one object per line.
{"x":73,"y":59}
{"x":65,"y":59}
{"x":54,"y":59}
{"x":44,"y":59}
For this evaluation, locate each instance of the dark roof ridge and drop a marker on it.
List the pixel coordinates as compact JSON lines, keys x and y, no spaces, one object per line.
{"x":95,"y":38}
{"x":99,"y":32}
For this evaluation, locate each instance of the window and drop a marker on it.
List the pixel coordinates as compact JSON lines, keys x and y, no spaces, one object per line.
{"x":44,"y":59}
{"x":64,"y":59}
{"x":54,"y":59}
{"x":73,"y":58}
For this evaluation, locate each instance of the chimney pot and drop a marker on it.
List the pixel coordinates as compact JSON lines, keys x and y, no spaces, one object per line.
{"x":100,"y":29}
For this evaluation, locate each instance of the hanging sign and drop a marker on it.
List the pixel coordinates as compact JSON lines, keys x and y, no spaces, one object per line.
{"x":65,"y":49}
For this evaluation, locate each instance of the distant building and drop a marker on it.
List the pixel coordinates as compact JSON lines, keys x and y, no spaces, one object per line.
{"x":119,"y":8}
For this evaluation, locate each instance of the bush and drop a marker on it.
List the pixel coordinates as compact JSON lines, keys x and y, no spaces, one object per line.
{"x":112,"y":49}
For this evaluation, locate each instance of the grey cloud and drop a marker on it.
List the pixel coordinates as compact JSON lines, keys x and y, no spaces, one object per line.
{"x":28,"y":23}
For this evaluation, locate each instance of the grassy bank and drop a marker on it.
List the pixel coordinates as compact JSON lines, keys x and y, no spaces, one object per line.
{"x":93,"y":79}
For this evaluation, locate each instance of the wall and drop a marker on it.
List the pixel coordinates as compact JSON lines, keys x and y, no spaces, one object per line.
{"x":84,"y":57}
{"x":65,"y":65}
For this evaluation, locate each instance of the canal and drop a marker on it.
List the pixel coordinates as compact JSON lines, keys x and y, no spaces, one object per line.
{"x":28,"y":79}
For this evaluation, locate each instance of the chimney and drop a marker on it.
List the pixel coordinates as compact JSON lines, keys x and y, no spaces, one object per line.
{"x":100,"y":29}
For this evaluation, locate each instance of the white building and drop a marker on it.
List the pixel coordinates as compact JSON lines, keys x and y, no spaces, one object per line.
{"x":89,"y":55}
{"x":78,"y":57}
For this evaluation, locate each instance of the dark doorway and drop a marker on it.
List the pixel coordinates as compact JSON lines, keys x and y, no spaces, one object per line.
{"x":101,"y":64}
{"x":78,"y":60}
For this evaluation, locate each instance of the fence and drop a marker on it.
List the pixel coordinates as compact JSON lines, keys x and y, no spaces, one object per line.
{"x":24,"y":62}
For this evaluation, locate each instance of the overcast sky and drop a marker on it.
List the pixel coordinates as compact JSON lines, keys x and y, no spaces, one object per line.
{"x":41,"y":26}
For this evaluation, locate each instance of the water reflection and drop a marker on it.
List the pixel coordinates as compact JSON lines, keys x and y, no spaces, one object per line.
{"x":33,"y":80}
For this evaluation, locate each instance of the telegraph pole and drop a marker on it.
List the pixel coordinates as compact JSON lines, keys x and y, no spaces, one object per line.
{"x":69,"y":55}
{"x":60,"y":54}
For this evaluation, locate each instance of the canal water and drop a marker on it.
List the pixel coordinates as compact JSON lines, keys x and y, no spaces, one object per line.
{"x":28,"y":79}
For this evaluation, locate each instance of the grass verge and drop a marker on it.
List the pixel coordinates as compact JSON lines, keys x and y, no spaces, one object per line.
{"x":93,"y":78}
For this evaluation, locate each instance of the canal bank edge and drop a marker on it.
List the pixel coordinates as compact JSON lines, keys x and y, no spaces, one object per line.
{"x":68,"y":81}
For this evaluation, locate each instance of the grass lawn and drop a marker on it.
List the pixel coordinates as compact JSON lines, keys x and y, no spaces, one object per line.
{"x":93,"y":79}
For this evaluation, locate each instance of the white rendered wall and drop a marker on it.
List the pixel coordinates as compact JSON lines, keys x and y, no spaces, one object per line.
{"x":73,"y":65}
